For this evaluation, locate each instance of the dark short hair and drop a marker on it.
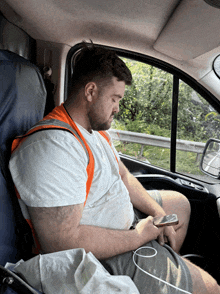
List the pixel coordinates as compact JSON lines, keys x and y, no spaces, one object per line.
{"x":94,"y":63}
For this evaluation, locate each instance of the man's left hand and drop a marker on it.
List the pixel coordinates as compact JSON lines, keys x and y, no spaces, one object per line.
{"x":168,"y":235}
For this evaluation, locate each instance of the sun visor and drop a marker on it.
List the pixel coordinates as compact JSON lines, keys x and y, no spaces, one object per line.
{"x":194,"y":22}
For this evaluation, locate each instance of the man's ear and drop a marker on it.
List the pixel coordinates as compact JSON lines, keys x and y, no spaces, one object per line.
{"x":91,"y":91}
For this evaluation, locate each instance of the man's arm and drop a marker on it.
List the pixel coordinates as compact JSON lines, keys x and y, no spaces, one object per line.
{"x":58,"y":228}
{"x":143,"y":202}
{"x":139,"y":196}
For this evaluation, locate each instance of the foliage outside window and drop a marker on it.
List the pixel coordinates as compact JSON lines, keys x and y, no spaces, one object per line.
{"x":197,"y":122}
{"x":146,"y":108}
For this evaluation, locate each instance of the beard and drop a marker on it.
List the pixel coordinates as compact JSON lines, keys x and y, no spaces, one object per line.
{"x":96,"y":123}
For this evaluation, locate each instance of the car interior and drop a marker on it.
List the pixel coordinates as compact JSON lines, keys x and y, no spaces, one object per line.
{"x":38,"y":43}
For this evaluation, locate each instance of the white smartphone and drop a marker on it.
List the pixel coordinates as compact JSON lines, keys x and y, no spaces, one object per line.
{"x":167,"y":220}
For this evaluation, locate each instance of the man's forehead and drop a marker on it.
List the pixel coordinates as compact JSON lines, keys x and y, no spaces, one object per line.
{"x":115,"y":88}
{"x":118,"y":83}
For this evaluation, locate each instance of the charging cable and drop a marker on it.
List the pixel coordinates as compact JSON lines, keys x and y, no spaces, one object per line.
{"x":150,"y":256}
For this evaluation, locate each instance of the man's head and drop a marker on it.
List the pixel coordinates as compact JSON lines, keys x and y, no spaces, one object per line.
{"x":98,"y":84}
{"x":97,"y":64}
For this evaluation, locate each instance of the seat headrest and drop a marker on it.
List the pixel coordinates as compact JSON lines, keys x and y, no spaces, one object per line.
{"x":22,"y":98}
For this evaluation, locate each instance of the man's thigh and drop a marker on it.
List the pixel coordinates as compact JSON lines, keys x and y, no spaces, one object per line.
{"x":153,"y":268}
{"x":173,"y":200}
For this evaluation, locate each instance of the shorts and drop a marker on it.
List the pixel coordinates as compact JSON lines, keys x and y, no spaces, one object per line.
{"x":151,"y":274}
{"x":155,"y":194}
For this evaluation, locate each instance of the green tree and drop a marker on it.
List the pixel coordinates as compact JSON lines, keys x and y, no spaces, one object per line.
{"x":147,"y":103}
{"x":147,"y":106}
{"x":196,"y":119}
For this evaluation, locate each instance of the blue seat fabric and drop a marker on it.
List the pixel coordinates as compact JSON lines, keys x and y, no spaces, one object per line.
{"x":22,"y":104}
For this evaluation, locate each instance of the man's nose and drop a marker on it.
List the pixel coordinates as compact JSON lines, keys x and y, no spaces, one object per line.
{"x":116,"y":108}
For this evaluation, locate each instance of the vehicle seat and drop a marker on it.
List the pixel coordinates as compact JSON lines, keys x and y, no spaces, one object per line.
{"x":22,"y":104}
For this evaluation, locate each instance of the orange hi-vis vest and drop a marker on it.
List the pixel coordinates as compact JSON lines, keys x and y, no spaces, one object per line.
{"x":60,"y":119}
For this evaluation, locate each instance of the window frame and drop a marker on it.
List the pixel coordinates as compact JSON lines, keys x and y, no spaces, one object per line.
{"x":178,"y":75}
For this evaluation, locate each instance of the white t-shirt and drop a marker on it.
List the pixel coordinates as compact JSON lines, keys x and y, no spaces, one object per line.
{"x":49,"y":170}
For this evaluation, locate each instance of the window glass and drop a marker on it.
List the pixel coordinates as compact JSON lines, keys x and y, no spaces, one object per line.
{"x":197,"y":122}
{"x":143,"y":125}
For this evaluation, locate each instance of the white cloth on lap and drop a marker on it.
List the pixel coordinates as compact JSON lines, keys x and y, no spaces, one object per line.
{"x":72,"y":272}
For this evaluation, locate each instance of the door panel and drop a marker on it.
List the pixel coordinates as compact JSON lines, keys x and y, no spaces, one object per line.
{"x":203,"y":237}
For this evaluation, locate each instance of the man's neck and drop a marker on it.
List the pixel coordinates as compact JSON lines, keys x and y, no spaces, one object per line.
{"x":78,"y":116}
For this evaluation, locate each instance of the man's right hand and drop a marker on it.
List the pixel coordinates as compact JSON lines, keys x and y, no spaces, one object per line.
{"x":147,"y":231}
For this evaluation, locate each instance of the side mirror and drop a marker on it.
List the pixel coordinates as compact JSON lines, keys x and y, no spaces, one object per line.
{"x":210,"y":162}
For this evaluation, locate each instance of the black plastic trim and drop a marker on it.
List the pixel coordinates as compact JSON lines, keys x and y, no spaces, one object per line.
{"x":178,"y":182}
{"x":213,"y":66}
{"x":174,"y":124}
{"x":203,"y":155}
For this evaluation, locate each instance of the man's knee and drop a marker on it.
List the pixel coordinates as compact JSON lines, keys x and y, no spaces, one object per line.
{"x":175,"y":200}
{"x":214,"y":287}
{"x":184,"y":202}
{"x":203,"y":283}
{"x":209,"y":286}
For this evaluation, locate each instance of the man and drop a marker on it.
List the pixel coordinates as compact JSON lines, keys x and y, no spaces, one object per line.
{"x":50,"y":171}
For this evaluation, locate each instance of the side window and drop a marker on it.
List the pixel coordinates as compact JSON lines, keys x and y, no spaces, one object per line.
{"x":142,"y":128}
{"x":197,"y":122}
